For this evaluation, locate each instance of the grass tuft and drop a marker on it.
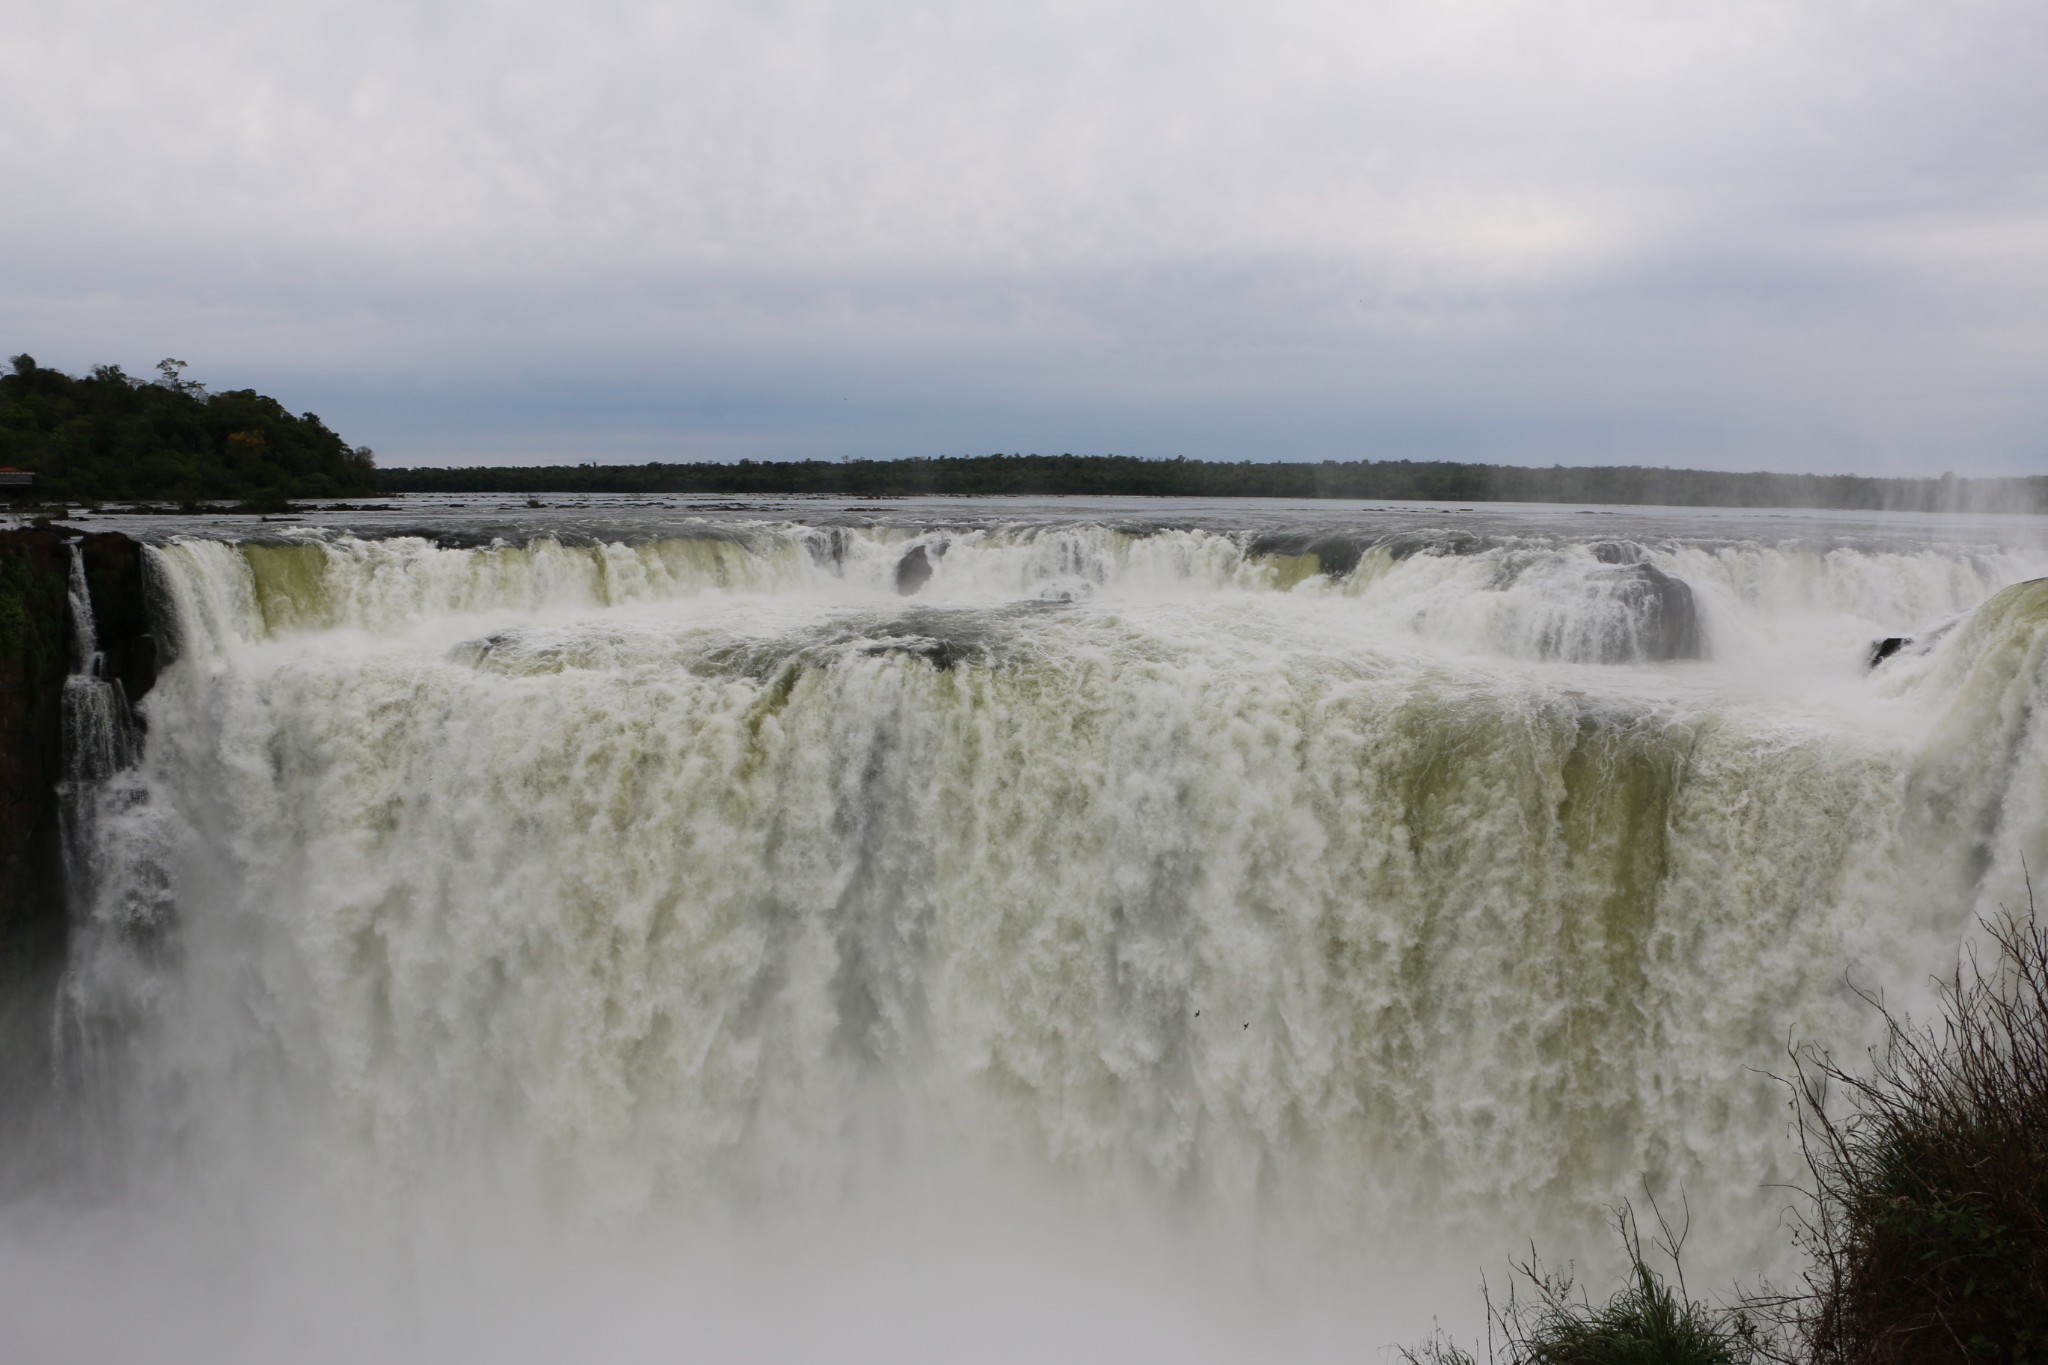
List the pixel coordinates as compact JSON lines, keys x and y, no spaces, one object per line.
{"x":1926,"y":1222}
{"x":1928,"y":1234}
{"x":1651,"y":1320}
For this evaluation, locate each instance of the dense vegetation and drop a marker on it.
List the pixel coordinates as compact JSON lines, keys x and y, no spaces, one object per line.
{"x":1929,"y":1239}
{"x":1927,"y":1223}
{"x":1104,"y":475}
{"x":111,"y":436}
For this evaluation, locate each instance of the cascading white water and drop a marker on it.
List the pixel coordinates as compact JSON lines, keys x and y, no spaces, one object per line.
{"x":1408,"y":907}
{"x":99,"y":736}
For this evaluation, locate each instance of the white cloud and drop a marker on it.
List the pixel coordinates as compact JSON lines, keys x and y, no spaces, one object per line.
{"x":1812,"y":230}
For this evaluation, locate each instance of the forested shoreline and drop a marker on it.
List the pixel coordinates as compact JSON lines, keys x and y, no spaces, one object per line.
{"x":111,"y":436}
{"x":1124,"y":476}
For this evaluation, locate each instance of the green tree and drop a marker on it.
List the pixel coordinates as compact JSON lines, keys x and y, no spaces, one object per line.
{"x":106,"y":436}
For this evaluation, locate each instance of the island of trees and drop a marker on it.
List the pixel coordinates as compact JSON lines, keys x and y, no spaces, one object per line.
{"x":111,"y":436}
{"x":1114,"y":475}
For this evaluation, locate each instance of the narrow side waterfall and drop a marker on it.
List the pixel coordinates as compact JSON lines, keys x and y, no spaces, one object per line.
{"x":99,"y":736}
{"x":1364,"y":906}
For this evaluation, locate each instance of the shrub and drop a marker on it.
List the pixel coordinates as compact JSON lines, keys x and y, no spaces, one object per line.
{"x":1928,"y":1229}
{"x":1649,"y":1321}
{"x":1926,"y":1226}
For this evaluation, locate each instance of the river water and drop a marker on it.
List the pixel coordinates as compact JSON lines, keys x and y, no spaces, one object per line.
{"x":994,"y":929}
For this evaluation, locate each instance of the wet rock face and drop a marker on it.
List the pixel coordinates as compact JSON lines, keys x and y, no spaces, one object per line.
{"x":1337,"y":554}
{"x":913,"y":571}
{"x":1664,"y":617}
{"x":1619,"y":552}
{"x":1622,"y":609}
{"x":35,"y":658}
{"x":1661,"y":620}
{"x":115,"y":577}
{"x":1880,"y":650}
{"x":827,"y":546}
{"x":1669,"y":621}
{"x":1408,"y":544}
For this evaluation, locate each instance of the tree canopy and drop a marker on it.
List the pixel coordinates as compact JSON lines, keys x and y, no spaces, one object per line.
{"x":1111,"y":475}
{"x":110,"y":435}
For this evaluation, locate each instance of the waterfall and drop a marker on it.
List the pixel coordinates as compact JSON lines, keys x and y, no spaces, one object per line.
{"x":100,"y":736}
{"x":100,"y":796}
{"x":1417,"y":894}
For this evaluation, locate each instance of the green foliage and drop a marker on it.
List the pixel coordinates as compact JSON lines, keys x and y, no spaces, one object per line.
{"x":1120,"y":475}
{"x":1929,"y":1231}
{"x":15,"y":622}
{"x":111,"y":436}
{"x":1651,"y":1320}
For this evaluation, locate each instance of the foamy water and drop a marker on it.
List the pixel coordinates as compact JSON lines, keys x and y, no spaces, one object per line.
{"x":1210,"y":936}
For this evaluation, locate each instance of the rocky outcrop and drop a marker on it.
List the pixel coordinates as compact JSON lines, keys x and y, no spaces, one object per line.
{"x":913,"y":571}
{"x":1662,"y":619}
{"x":122,"y":611}
{"x":35,"y":656}
{"x":36,"y":653}
{"x":1892,"y":646}
{"x":1667,"y":622}
{"x":1336,"y":553}
{"x":1619,"y":552}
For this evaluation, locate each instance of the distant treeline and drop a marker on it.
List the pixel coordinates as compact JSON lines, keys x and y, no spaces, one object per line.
{"x":1123,"y":475}
{"x":111,"y":436}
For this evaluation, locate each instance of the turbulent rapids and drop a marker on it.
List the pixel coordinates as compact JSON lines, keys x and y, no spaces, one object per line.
{"x":1374,"y":889}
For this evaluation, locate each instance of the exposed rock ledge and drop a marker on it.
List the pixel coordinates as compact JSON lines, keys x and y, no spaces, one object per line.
{"x":35,"y":657}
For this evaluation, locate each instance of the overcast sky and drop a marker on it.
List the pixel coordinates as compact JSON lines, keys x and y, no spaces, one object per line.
{"x":1737,"y":234}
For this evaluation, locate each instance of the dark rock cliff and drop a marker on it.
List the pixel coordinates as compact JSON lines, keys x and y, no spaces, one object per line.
{"x":36,"y":650}
{"x":35,"y":656}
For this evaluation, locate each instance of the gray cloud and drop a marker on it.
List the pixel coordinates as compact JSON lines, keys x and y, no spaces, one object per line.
{"x":1808,"y":235}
